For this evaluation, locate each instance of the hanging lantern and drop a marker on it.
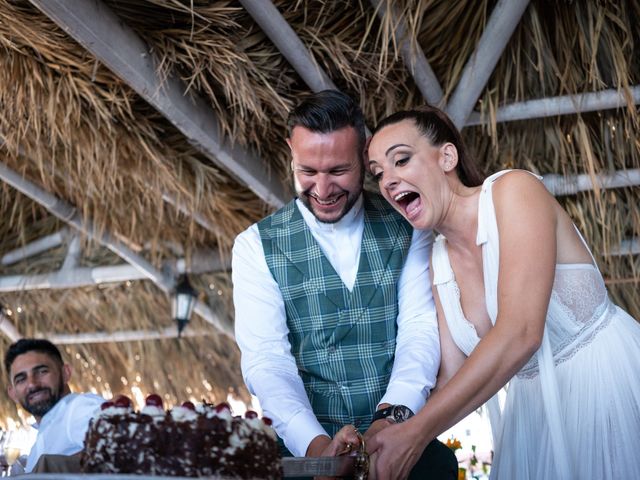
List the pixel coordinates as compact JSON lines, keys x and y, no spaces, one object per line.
{"x":182,"y":302}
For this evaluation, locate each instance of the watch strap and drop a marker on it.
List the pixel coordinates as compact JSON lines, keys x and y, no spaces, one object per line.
{"x":394,"y":413}
{"x":383,"y":413}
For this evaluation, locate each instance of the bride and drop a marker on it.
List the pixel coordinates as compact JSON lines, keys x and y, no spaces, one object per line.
{"x":520,"y":299}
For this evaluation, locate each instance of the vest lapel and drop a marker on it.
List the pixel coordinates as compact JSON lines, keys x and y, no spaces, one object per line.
{"x":296,"y":242}
{"x":383,"y":235}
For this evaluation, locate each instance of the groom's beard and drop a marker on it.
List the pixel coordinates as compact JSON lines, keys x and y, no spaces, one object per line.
{"x":352,"y":198}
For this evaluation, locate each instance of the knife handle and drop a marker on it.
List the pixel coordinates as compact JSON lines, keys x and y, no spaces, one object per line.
{"x":362,"y":460}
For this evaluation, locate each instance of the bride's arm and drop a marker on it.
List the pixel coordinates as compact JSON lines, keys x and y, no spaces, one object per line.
{"x":526,"y":225}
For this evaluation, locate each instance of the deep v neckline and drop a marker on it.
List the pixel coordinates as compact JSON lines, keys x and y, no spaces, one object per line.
{"x":454,"y":282}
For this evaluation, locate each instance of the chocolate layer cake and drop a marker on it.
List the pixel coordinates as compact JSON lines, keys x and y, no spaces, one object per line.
{"x":186,"y":441}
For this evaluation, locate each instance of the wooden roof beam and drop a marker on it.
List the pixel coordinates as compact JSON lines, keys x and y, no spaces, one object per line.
{"x":561,"y":105}
{"x":68,"y":214}
{"x":34,"y":248}
{"x":628,"y":246}
{"x":273,"y":24}
{"x":503,"y":21}
{"x":74,"y":251}
{"x":571,"y":184}
{"x":92,"y":24}
{"x":120,"y":336}
{"x":91,"y":276}
{"x":412,"y":55}
{"x":73,"y":278}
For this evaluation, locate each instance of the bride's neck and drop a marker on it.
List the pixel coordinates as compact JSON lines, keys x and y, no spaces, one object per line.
{"x":460,"y":223}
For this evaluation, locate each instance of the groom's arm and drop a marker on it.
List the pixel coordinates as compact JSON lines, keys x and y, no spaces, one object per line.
{"x":417,"y":356}
{"x":268,"y":367}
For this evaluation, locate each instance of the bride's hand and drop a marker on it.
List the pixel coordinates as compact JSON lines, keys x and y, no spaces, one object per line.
{"x":394,"y":451}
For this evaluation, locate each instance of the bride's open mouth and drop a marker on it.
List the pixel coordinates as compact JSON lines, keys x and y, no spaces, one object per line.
{"x":409,"y":202}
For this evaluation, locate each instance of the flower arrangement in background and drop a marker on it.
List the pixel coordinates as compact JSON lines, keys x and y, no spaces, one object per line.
{"x":454,"y":444}
{"x":474,"y":460}
{"x":469,"y":467}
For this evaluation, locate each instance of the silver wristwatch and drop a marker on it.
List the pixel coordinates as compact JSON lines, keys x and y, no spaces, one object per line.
{"x":394,"y":413}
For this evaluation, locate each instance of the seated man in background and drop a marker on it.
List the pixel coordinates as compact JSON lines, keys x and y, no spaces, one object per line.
{"x":38,"y":381}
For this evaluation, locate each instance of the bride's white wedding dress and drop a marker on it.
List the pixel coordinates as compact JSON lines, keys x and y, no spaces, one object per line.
{"x":573,"y":411}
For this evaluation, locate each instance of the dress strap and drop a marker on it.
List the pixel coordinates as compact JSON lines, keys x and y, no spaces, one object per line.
{"x":442,"y":271}
{"x":584,"y":242}
{"x":485,"y":223}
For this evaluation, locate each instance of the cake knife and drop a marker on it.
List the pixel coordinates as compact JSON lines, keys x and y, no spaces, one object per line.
{"x":352,"y":466}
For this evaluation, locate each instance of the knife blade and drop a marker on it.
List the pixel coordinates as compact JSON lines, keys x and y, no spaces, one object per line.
{"x":316,"y":466}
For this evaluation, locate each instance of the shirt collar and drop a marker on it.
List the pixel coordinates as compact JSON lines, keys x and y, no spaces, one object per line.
{"x":351,"y":217}
{"x":51,"y":413}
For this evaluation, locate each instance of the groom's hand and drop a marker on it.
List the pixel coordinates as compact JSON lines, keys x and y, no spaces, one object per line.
{"x":317,"y":446}
{"x":345,"y":441}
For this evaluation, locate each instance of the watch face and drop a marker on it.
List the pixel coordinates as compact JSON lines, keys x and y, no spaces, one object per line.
{"x":401,"y":413}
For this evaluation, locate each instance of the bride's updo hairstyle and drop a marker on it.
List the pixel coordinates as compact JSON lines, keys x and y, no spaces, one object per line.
{"x":436,"y":126}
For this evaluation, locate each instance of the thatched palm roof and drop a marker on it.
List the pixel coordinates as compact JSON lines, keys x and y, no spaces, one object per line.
{"x":143,"y":135}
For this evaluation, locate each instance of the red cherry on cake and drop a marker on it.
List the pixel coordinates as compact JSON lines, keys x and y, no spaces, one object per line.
{"x":106,"y":405}
{"x":122,"y":401}
{"x":250,"y":414}
{"x":153,"y":400}
{"x":189,"y":405}
{"x":267,"y":421}
{"x":222,"y":407}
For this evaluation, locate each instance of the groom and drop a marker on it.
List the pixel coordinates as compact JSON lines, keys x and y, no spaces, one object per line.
{"x":334,"y":315}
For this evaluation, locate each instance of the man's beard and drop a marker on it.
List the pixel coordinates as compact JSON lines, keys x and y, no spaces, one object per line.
{"x":40,"y":408}
{"x":351,"y":200}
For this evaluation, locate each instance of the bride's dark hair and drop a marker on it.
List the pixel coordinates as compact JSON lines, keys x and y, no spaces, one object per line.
{"x":436,"y":126}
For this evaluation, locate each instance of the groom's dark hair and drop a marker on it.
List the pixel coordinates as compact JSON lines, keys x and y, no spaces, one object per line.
{"x":328,"y":111}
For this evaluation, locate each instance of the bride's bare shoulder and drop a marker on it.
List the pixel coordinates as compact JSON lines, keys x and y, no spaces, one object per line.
{"x":519,"y":183}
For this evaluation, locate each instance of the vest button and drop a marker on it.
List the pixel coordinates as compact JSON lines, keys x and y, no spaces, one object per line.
{"x":331,"y":350}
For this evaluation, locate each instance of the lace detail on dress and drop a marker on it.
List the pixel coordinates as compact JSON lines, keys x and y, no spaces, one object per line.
{"x":578,"y":301}
{"x":581,"y":291}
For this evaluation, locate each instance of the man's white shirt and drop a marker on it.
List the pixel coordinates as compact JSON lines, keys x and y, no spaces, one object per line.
{"x":62,"y":429}
{"x":268,"y":367}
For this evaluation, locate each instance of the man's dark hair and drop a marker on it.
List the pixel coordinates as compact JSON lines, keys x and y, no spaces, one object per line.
{"x":26,"y":345}
{"x":328,"y":111}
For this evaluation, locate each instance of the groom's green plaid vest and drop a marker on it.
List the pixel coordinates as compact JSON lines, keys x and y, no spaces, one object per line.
{"x":343,"y":342}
